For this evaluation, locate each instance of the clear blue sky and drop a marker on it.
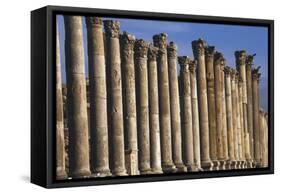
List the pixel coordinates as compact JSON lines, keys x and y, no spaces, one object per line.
{"x":226,"y":38}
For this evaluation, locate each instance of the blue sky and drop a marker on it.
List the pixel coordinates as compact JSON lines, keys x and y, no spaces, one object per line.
{"x":226,"y":38}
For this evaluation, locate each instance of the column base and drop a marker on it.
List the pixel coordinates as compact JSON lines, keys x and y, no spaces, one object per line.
{"x":228,"y":165}
{"x":101,"y":173}
{"x":61,"y":175}
{"x":234,"y":164}
{"x":181,"y":167}
{"x":84,"y":173}
{"x":119,"y":172}
{"x":169,"y":168}
{"x":207,"y":165}
{"x":156,"y":170}
{"x":249,"y":163}
{"x":146,"y":171}
{"x":216,"y":165}
{"x":192,"y":168}
{"x":222,"y":165}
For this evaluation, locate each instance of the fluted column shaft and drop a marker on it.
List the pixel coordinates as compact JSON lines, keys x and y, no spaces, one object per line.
{"x":60,"y":144}
{"x":210,"y":75}
{"x":234,"y":114}
{"x":195,"y":116}
{"x":79,"y":163}
{"x":155,"y":148}
{"x":141,"y":48}
{"x":160,"y":41}
{"x":256,"y":105}
{"x":242,"y":131}
{"x":199,"y":55}
{"x":229,"y":114}
{"x":239,"y":126}
{"x":188,"y":144}
{"x":98,"y":98}
{"x":116,"y":105}
{"x":130,"y":111}
{"x":175,"y":108}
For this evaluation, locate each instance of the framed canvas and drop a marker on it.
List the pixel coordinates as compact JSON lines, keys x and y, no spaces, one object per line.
{"x":126,"y":96}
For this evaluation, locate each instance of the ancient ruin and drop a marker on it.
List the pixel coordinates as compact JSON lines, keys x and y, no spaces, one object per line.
{"x":146,"y":110}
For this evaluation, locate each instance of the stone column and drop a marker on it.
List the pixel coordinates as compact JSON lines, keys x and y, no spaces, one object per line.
{"x":264,"y":139}
{"x":234,"y":115}
{"x":79,"y":163}
{"x":256,"y":105}
{"x":210,"y":75}
{"x":195,"y":116}
{"x":141,"y":48}
{"x":239,"y":125}
{"x":188,"y":150}
{"x":242,"y":130}
{"x":116,"y":105}
{"x":164,"y":103}
{"x":130,"y":111}
{"x":224,"y":120}
{"x":175,"y":108}
{"x":155,"y":149}
{"x":199,"y":55}
{"x":98,"y":98}
{"x":60,"y":145}
{"x":218,"y":99}
{"x":229,"y":116}
{"x":241,"y":57}
{"x":250,"y":119}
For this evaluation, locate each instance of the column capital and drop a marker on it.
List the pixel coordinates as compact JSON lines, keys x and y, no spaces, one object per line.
{"x":141,"y":48}
{"x":184,"y":62}
{"x":227,"y":70}
{"x":127,"y":43}
{"x":233,"y":74}
{"x":111,"y":28}
{"x":218,"y":58}
{"x":240,"y":57}
{"x":94,"y":22}
{"x":209,"y":51}
{"x":192,"y":66}
{"x":152,"y":52}
{"x":160,"y":41}
{"x":198,"y":47}
{"x":255,"y":73}
{"x":250,"y":60}
{"x":172,"y":50}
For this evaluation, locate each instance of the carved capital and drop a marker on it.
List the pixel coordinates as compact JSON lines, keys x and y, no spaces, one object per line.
{"x":227,"y":70}
{"x":233,"y":73}
{"x":112,"y":28}
{"x":255,"y":73}
{"x":184,"y":62}
{"x":218,"y":58}
{"x":209,"y":51}
{"x":94,"y":22}
{"x":172,"y":50}
{"x":141,"y":48}
{"x":198,"y":47}
{"x":127,"y":43}
{"x":240,"y":57}
{"x":152,"y":52}
{"x":160,"y":41}
{"x":192,"y":66}
{"x":250,"y":60}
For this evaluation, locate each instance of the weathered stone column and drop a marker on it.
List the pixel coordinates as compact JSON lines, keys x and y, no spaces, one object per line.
{"x":116,"y":105}
{"x":98,"y":98}
{"x":195,"y":116}
{"x":175,"y":108}
{"x":130,"y":111}
{"x":155,"y":148}
{"x":242,"y":129}
{"x":241,"y":57}
{"x":60,"y":145}
{"x":141,"y":48}
{"x":250,"y":119}
{"x":224,"y":120}
{"x":160,"y":41}
{"x":210,"y":75}
{"x":79,"y":163}
{"x":256,"y":105}
{"x":218,"y":99}
{"x":188,"y":150}
{"x":264,"y":139}
{"x":239,"y":126}
{"x":229,"y":117}
{"x":199,"y":55}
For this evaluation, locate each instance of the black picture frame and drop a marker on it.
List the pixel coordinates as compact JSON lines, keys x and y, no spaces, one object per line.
{"x":43,"y":97}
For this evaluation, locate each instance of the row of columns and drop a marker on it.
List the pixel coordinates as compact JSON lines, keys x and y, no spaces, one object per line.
{"x":144,"y":118}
